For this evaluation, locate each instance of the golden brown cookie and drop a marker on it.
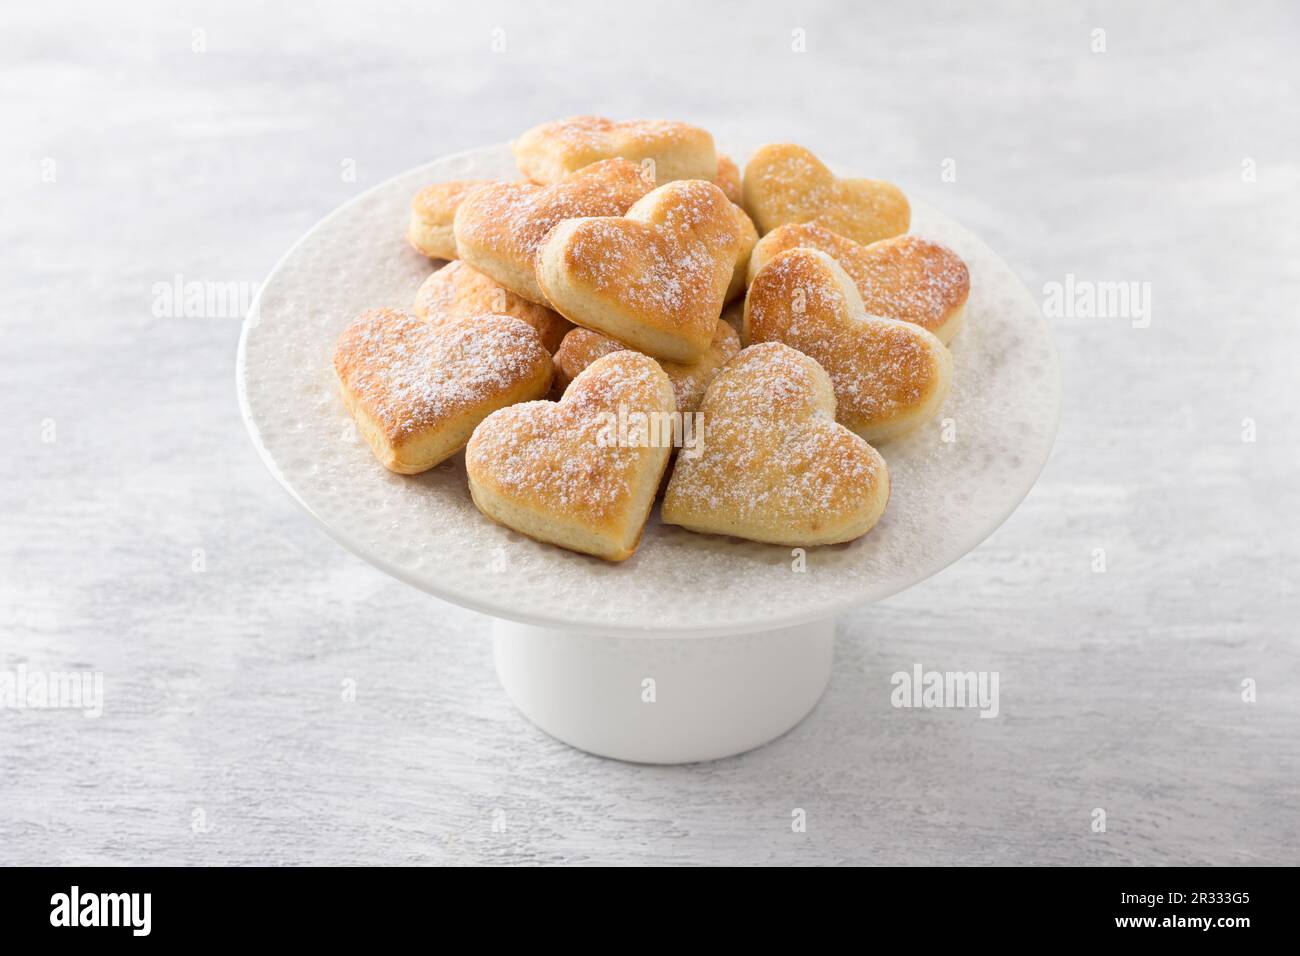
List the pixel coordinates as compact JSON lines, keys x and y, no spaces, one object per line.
{"x":907,"y":277}
{"x":417,"y":389}
{"x":567,"y":473}
{"x":550,"y":152}
{"x":500,"y":227}
{"x":889,"y":376}
{"x":433,"y":210}
{"x":581,"y":347}
{"x":774,"y":465}
{"x":785,"y":183}
{"x":458,"y":289}
{"x":655,"y":279}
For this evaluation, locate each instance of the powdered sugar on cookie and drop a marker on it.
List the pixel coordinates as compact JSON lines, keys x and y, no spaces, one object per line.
{"x":911,"y":279}
{"x":523,"y":213}
{"x":776,"y":466}
{"x":906,"y":277}
{"x":672,"y":151}
{"x":458,"y":290}
{"x":648,"y":270}
{"x":409,"y":375}
{"x":550,"y":452}
{"x":655,"y":278}
{"x":884,"y":371}
{"x":592,"y":132}
{"x":785,"y":183}
{"x":582,"y":347}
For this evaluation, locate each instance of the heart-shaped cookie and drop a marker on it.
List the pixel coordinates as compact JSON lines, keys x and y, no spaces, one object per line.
{"x":550,"y":152}
{"x":889,"y":376}
{"x":787,"y":183}
{"x":499,"y":227}
{"x":580,"y":473}
{"x":433,"y":211}
{"x":906,"y":277}
{"x":775,"y":466}
{"x":417,"y":389}
{"x":654,"y":279}
{"x":458,"y":289}
{"x":581,"y":347}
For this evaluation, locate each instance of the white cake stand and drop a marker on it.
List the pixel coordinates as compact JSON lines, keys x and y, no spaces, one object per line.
{"x":697,"y":647}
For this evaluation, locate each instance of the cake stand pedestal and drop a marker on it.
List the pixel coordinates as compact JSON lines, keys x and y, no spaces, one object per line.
{"x":664,"y":699}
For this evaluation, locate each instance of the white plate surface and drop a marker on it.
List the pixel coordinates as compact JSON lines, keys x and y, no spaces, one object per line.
{"x":947,"y":495}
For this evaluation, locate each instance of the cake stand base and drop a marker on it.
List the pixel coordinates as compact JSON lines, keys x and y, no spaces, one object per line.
{"x":664,"y":699}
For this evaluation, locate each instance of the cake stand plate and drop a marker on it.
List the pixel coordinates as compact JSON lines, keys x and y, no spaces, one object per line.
{"x":698,"y":646}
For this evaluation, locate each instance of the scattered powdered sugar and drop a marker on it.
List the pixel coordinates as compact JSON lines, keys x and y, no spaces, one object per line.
{"x":437,"y":296}
{"x":906,"y":277}
{"x":790,"y":185}
{"x":598,"y":133}
{"x":411,"y":375}
{"x":771,"y":446}
{"x":551,"y":453}
{"x":671,"y":256}
{"x":514,"y":218}
{"x":644,"y":268}
{"x":437,"y":203}
{"x":458,"y":290}
{"x":911,"y":279}
{"x":581,"y":347}
{"x":877,"y":367}
{"x":797,"y":186}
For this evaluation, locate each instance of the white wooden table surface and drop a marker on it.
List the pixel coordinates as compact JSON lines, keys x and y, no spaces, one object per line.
{"x":137,"y":149}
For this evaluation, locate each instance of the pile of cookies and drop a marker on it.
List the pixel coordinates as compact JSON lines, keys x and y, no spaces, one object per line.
{"x":632,"y":302}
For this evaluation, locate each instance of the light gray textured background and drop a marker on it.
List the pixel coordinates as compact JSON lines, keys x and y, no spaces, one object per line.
{"x":1120,"y":690}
